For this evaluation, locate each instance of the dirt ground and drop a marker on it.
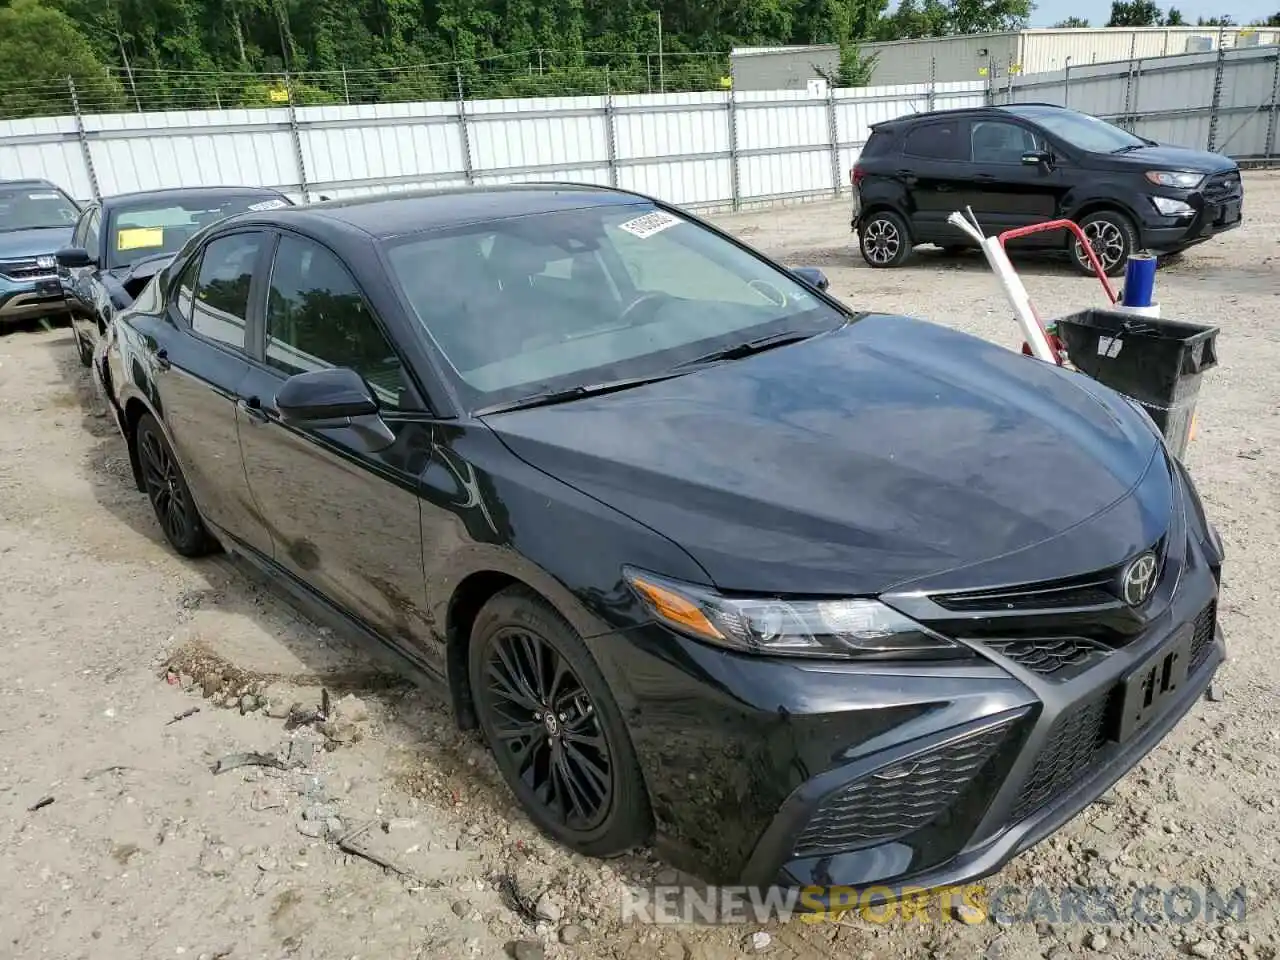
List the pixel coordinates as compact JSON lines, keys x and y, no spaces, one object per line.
{"x":146,"y":852}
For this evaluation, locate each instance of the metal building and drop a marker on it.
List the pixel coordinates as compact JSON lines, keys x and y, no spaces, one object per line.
{"x":971,"y":56}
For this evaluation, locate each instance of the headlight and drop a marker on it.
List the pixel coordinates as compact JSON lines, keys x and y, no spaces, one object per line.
{"x":1172,"y":208}
{"x":1172,"y":178}
{"x":831,"y":629}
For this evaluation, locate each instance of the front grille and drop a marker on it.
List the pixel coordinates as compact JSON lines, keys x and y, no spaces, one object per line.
{"x":1058,"y":658}
{"x":1202,"y":643}
{"x":25,"y":270}
{"x":1073,"y":746}
{"x":901,"y":798}
{"x":1050,"y":596}
{"x":1223,"y":186}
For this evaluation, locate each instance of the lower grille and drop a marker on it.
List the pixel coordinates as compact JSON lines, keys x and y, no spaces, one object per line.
{"x":1073,"y":746}
{"x":1202,"y":643}
{"x":1057,"y":658}
{"x":902,"y":798}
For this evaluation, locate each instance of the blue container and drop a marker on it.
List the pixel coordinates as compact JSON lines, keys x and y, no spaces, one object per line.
{"x":1139,"y":280}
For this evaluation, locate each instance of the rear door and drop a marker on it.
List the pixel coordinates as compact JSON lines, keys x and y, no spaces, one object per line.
{"x":934,"y":165}
{"x":201,"y":365}
{"x":1003,"y":191}
{"x":345,"y":521}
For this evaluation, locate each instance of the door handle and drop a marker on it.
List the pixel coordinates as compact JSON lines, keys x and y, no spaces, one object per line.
{"x":162,"y":359}
{"x":984,"y":177}
{"x":943,"y":188}
{"x":252,"y":408}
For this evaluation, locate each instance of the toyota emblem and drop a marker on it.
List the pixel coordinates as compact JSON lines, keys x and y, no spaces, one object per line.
{"x":1138,"y":579}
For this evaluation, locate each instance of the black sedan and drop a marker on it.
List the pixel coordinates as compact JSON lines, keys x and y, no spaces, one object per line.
{"x":121,"y":242}
{"x":809,"y":596}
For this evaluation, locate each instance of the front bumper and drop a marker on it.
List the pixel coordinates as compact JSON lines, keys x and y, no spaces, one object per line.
{"x":1161,"y":234}
{"x":855,"y":775}
{"x":30,"y":300}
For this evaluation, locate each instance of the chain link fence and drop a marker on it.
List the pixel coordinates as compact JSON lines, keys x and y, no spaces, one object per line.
{"x":536,"y":73}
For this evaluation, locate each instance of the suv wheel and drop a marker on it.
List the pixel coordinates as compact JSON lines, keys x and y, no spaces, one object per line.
{"x":884,"y":239}
{"x":1113,"y":238}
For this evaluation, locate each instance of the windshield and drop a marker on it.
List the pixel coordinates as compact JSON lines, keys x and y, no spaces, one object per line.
{"x":138,"y":232}
{"x":1081,"y":130}
{"x":33,"y":208}
{"x":580,"y":297}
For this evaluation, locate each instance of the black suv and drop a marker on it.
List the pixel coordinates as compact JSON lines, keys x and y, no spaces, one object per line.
{"x":1026,"y":163}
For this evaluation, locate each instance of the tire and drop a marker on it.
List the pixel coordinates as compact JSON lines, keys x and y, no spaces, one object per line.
{"x":1114,"y":238}
{"x":83,"y":350}
{"x":596,"y":804}
{"x":168,"y":491}
{"x":884,"y":240}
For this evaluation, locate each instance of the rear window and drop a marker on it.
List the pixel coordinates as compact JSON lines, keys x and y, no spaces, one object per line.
{"x":939,"y":140}
{"x":878,"y":144}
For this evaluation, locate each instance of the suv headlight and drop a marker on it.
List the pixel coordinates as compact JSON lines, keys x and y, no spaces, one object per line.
{"x":771,"y":626}
{"x":1173,"y":178}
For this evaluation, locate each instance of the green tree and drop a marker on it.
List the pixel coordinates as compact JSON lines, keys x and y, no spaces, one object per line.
{"x":1134,"y":13}
{"x":1174,"y":18}
{"x":1216,"y":22}
{"x":1071,"y":23}
{"x":39,"y":48}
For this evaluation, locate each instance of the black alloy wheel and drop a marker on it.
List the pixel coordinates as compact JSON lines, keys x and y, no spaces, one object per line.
{"x":168,"y":491}
{"x":884,"y":239}
{"x":554,"y":728}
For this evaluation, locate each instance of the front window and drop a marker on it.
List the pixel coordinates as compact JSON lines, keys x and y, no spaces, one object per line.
{"x":147,"y":231}
{"x":35,"y":208}
{"x":1081,"y":130}
{"x":579,"y":297}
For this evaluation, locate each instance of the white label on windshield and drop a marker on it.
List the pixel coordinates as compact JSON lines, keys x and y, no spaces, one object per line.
{"x":268,"y":205}
{"x":651,"y":223}
{"x":45,"y":195}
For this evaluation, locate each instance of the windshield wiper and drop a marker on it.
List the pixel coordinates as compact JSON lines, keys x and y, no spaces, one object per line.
{"x":1131,"y":146}
{"x":548,"y":397}
{"x":740,"y":350}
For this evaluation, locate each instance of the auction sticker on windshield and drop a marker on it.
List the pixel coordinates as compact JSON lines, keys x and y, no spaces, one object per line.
{"x":651,"y":223}
{"x":267,"y":205}
{"x":138,"y":238}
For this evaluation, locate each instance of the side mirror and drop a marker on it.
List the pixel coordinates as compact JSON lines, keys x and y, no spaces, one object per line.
{"x":318,"y":395}
{"x":1037,"y":158}
{"x":813,"y":277}
{"x":73,"y":257}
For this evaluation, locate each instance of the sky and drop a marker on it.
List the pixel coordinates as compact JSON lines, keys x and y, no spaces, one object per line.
{"x":1049,"y":12}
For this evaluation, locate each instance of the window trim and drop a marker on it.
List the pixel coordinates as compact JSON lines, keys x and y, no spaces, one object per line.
{"x":258,"y":356}
{"x":197,"y":259}
{"x":963,"y":135}
{"x":94,"y":211}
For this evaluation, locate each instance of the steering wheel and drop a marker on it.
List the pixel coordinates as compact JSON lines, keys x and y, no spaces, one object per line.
{"x":652,"y":299}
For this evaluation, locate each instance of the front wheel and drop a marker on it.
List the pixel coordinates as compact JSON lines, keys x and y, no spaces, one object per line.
{"x":555,"y":730}
{"x":168,"y":491}
{"x":83,"y":350}
{"x":1113,"y":238}
{"x":885,"y":240}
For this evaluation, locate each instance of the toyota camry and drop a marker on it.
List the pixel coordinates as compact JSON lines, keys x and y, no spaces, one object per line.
{"x":801,"y":594}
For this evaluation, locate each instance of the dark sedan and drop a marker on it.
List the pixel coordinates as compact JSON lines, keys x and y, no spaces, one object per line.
{"x":809,"y":596}
{"x":121,"y":242}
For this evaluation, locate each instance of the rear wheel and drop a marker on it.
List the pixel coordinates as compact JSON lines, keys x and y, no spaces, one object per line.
{"x":170,"y":496}
{"x":1113,"y":238}
{"x":555,"y":730}
{"x":884,"y":239}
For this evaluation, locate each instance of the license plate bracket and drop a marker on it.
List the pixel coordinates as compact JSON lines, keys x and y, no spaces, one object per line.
{"x":1147,"y":690}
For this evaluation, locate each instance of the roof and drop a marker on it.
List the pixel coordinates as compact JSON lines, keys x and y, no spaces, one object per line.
{"x":966,"y":111}
{"x":28,"y":182}
{"x":760,"y":51}
{"x":389,"y":215}
{"x":178,"y":194}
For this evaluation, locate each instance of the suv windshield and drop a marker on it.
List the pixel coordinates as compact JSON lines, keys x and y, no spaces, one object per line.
{"x":34,"y":207}
{"x":580,"y":297}
{"x":1080,"y":130}
{"x":138,"y":232}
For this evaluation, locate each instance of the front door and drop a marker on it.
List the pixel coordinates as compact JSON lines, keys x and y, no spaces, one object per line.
{"x":933,"y":168}
{"x":344,"y":519}
{"x":201,"y":362}
{"x":1005,"y":192}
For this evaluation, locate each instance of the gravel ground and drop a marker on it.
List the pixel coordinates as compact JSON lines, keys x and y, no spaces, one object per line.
{"x":146,"y":852}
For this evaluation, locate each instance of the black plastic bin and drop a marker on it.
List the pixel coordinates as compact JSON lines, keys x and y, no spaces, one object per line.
{"x":1158,"y":363}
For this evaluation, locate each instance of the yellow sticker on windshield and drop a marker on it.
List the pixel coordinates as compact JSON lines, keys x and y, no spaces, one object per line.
{"x":137,"y":238}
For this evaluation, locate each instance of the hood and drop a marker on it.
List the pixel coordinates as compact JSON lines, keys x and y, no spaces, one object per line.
{"x":863,"y":459}
{"x":143,"y":269}
{"x":15,"y":244}
{"x":1177,"y":158}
